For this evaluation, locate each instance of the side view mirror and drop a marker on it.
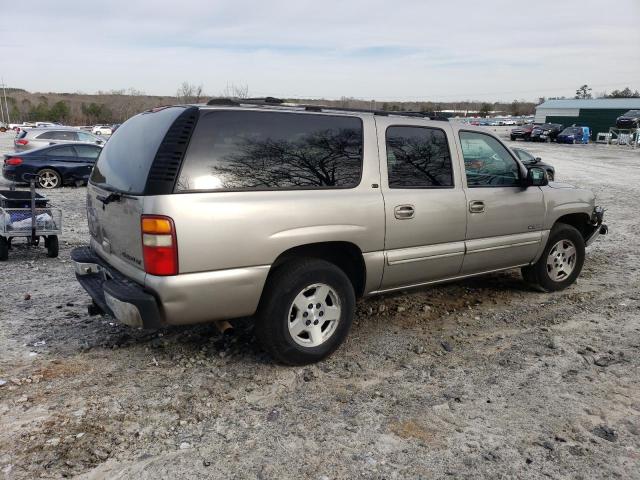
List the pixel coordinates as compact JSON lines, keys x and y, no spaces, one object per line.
{"x":538,"y":159}
{"x":536,"y":177}
{"x":99,"y":142}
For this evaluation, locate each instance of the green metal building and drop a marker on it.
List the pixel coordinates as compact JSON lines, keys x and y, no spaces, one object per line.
{"x":598,"y":114}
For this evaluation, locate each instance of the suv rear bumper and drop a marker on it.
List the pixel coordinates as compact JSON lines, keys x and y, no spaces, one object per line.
{"x":114,"y":293}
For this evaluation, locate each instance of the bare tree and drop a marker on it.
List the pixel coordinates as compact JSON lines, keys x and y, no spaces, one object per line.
{"x":233,"y":90}
{"x":189,"y":93}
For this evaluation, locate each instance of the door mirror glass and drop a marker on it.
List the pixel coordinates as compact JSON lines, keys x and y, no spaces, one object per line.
{"x":537,"y":177}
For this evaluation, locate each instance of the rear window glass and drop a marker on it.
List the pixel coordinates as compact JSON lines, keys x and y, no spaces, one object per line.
{"x":235,"y":150}
{"x":126,"y":158}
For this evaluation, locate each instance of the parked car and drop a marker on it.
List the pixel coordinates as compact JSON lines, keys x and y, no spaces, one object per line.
{"x":288,"y":214}
{"x":530,"y":161}
{"x":114,"y":127}
{"x":102,"y":130}
{"x":547,"y":132}
{"x":631,"y":119}
{"x":574,"y":135}
{"x":55,"y":166}
{"x":41,"y":137}
{"x":523,"y":132}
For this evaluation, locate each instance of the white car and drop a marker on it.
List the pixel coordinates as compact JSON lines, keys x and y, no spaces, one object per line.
{"x":102,"y":130}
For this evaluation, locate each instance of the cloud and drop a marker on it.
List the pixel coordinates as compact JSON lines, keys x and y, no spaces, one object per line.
{"x":406,"y":49}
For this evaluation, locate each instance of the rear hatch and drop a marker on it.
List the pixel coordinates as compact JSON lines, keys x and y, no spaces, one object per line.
{"x":141,"y":158}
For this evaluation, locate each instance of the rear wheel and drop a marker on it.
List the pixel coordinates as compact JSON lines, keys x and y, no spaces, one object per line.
{"x":51,"y":242}
{"x":306,"y":312}
{"x":49,"y":178}
{"x":4,"y":249}
{"x":560,"y":263}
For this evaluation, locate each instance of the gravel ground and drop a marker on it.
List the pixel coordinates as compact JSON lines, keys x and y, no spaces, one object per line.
{"x":479,"y":379}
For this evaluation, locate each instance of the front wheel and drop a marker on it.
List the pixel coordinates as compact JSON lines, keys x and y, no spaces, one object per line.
{"x":561,"y":261}
{"x":306,"y":311}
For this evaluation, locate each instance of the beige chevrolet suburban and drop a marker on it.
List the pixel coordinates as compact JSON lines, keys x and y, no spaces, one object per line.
{"x":288,"y":213}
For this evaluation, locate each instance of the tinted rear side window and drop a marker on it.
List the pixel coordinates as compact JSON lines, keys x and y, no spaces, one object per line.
{"x":87,"y":151}
{"x":418,"y":157}
{"x":234,"y":150}
{"x":62,"y":152}
{"x":126,"y":158}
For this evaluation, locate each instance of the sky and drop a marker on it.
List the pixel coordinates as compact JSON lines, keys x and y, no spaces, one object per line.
{"x":408,"y":50}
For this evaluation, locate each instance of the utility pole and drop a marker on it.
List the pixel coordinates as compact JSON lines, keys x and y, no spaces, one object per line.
{"x":6,"y":105}
{"x":2,"y":113}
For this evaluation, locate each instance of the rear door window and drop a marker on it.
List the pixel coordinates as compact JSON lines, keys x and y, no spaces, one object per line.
{"x":46,"y":136}
{"x":62,"y":135}
{"x":85,"y":137}
{"x":62,"y":152}
{"x":87,"y":151}
{"x":418,"y":157}
{"x":249,"y":150}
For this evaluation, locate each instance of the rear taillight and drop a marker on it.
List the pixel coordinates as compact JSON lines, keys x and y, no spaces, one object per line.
{"x":22,"y":141}
{"x":13,"y":161}
{"x":159,"y":245}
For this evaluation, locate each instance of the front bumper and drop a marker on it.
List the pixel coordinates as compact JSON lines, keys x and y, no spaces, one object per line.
{"x":115,"y":294}
{"x":596,"y":227}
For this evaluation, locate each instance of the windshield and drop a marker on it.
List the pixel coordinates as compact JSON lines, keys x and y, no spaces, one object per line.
{"x":572,"y":131}
{"x":632,"y":113}
{"x":524,"y":156}
{"x":126,"y":158}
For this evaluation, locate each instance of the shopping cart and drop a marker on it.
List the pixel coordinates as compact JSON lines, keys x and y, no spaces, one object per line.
{"x":27,"y":214}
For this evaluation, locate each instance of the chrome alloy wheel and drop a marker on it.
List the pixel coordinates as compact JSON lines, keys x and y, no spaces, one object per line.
{"x":314,"y":315}
{"x":561,"y":260}
{"x":48,"y":179}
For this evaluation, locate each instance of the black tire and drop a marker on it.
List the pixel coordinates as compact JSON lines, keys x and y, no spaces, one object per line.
{"x":48,"y":178}
{"x":513,"y":139}
{"x":537,"y":275}
{"x":4,"y":249}
{"x":287,"y":282}
{"x":51,"y":242}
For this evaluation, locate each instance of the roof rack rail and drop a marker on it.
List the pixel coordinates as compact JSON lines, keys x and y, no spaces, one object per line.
{"x":222,"y":101}
{"x":261,"y":100}
{"x":272,"y":101}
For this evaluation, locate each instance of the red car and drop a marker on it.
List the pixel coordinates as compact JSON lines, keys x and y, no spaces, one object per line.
{"x":523,"y":132}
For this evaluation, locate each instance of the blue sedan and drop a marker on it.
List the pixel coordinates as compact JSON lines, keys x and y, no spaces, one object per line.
{"x":55,"y":165}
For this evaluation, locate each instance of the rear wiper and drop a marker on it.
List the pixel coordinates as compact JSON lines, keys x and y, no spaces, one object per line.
{"x":112,"y":197}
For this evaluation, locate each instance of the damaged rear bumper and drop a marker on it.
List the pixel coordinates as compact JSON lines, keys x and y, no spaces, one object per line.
{"x":115,"y":294}
{"x":596,"y":227}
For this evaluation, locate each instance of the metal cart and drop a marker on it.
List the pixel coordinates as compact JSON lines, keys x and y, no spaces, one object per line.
{"x":27,"y":214}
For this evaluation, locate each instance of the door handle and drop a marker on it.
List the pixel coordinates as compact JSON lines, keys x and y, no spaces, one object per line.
{"x":476,"y":206}
{"x":404,"y":212}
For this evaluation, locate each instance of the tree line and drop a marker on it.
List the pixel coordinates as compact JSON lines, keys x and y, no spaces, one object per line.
{"x":115,"y":106}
